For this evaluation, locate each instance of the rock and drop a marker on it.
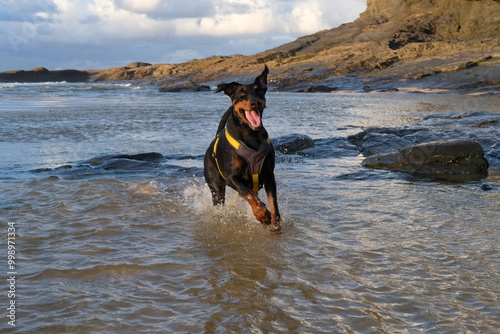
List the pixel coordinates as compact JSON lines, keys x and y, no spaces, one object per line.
{"x":291,"y":144}
{"x":128,"y":164}
{"x":374,"y":140}
{"x":376,"y":143}
{"x":41,"y":74}
{"x":423,"y":32}
{"x":479,"y":126}
{"x":325,"y":148}
{"x":138,"y":64}
{"x":40,"y":69}
{"x":388,"y":90}
{"x":146,"y":157}
{"x":486,"y":187}
{"x":317,"y":89}
{"x":479,"y":84}
{"x":121,"y":162}
{"x":439,"y":158}
{"x":357,"y":139}
{"x":128,"y":161}
{"x":438,"y":18}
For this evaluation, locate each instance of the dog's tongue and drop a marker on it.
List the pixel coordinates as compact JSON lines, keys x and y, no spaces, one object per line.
{"x":253,"y":117}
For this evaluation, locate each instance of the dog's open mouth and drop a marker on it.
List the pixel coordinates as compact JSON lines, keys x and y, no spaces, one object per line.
{"x":253,"y":118}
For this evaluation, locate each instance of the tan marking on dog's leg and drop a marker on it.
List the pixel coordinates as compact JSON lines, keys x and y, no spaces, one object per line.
{"x":259,"y":208}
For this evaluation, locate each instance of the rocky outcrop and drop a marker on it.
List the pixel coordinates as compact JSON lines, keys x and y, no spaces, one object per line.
{"x":133,"y":71}
{"x":439,"y":158}
{"x":448,"y":144}
{"x":455,"y":147}
{"x":397,"y":43}
{"x":42,"y":74}
{"x":426,"y":20}
{"x":394,"y":43}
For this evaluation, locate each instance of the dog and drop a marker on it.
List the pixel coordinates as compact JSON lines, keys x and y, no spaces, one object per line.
{"x":242,"y":156}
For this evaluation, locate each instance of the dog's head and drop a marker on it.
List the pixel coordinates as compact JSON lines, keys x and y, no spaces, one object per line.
{"x":249,"y":101}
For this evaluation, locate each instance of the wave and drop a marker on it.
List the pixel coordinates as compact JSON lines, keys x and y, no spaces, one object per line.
{"x":72,"y":86}
{"x":30,"y":84}
{"x":98,"y":87}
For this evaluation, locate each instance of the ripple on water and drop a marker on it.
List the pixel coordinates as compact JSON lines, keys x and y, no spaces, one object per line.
{"x":122,"y":251}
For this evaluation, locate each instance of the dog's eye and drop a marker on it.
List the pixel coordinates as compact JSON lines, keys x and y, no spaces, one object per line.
{"x":243,"y":95}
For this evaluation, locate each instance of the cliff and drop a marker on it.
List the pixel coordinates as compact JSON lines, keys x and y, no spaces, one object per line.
{"x":427,"y":43}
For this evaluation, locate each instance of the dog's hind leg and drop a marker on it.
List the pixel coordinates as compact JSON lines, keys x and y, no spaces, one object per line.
{"x":214,"y":179}
{"x":217,"y":186}
{"x":218,"y":194}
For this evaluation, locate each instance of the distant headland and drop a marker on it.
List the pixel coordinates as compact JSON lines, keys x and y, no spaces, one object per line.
{"x":427,"y":44}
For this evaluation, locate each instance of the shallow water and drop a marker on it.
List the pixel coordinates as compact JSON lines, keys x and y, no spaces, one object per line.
{"x":139,"y":248}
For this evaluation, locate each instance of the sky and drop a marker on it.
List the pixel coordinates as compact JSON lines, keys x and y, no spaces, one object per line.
{"x":100,"y":34}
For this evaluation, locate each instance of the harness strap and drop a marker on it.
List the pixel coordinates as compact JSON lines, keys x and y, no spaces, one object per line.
{"x":214,"y":155}
{"x":254,"y":158}
{"x":234,"y":143}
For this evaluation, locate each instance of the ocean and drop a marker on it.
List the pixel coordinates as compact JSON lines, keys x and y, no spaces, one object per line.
{"x":95,"y":243}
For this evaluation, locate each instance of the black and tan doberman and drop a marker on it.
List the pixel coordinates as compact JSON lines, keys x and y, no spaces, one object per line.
{"x":242,"y":156}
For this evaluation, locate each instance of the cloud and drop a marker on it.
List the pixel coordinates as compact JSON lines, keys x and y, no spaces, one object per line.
{"x":308,"y":17}
{"x":140,"y":6}
{"x":125,"y":19}
{"x":158,"y":29}
{"x":161,"y":10}
{"x":25,"y":10}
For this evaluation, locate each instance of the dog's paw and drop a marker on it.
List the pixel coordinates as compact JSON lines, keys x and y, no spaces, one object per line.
{"x":263,"y":215}
{"x":274,"y":227}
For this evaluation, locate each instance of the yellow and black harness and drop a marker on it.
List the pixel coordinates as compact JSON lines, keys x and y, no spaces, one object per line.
{"x":254,"y":158}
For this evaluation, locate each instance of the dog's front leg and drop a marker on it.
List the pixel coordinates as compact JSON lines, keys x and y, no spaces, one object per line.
{"x":270,"y":186}
{"x":258,"y":207}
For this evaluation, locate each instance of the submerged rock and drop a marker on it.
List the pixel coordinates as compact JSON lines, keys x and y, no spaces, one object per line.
{"x":439,"y":158}
{"x":318,"y":89}
{"x":186,"y":87}
{"x":325,"y":148}
{"x":128,"y":161}
{"x":147,"y":157}
{"x":143,"y":187}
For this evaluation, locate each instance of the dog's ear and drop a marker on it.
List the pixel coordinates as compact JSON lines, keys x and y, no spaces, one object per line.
{"x":261,"y":80}
{"x":227,"y":88}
